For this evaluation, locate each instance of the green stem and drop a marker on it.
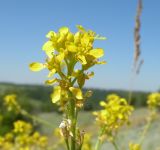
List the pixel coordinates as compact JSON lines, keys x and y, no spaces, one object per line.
{"x":73,"y":125}
{"x":67,"y":144}
{"x":99,"y":141}
{"x":115,"y":145}
{"x":70,"y":67}
{"x":74,"y":80}
{"x":72,"y":113}
{"x":98,"y":144}
{"x":146,"y":129}
{"x":62,"y":75}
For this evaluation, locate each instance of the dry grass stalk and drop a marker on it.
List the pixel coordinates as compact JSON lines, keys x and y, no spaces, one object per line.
{"x":137,"y":52}
{"x":139,"y":66}
{"x":137,"y":38}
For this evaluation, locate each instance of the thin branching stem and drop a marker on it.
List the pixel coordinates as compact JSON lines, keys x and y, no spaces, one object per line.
{"x":115,"y":145}
{"x":146,"y":129}
{"x":99,"y":141}
{"x":35,"y":118}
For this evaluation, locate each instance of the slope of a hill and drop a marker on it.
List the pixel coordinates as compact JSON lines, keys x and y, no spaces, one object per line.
{"x":37,"y":97}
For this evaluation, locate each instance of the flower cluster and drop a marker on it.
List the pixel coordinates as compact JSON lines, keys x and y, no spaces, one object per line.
{"x":115,"y":114}
{"x":6,"y":141}
{"x":10,"y":101}
{"x":23,"y":138}
{"x":65,"y":51}
{"x":154,"y":100}
{"x":22,"y":127}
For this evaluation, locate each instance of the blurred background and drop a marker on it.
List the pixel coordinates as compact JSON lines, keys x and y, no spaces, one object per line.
{"x":24,"y":25}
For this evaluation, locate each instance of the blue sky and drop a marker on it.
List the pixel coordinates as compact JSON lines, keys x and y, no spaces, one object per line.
{"x":24,"y":24}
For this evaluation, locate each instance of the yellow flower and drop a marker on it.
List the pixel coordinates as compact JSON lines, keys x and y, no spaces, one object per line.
{"x":134,"y":146}
{"x":67,"y":46}
{"x":24,"y":140}
{"x":36,"y":66}
{"x":76,"y":92}
{"x":1,"y":141}
{"x":59,"y":94}
{"x":115,"y":114}
{"x":65,"y":51}
{"x":10,"y":101}
{"x":22,"y":127}
{"x":6,"y":142}
{"x":154,"y":100}
{"x":24,"y":148}
{"x":87,"y":144}
{"x":43,"y":141}
{"x":9,"y":136}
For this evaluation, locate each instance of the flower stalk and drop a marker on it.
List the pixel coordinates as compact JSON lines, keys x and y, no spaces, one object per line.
{"x":64,"y":51}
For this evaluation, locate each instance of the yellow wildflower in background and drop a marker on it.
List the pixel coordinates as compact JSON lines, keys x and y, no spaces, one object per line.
{"x":22,"y":127}
{"x":115,"y":114}
{"x":87,"y":144}
{"x":133,"y":146}
{"x":23,"y":138}
{"x":6,"y":142}
{"x":154,"y":100}
{"x":10,"y":101}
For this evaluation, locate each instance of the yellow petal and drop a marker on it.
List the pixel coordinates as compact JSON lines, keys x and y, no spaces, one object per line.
{"x":102,"y":103}
{"x":49,"y":82}
{"x":36,"y":66}
{"x":51,"y":34}
{"x":56,"y":95}
{"x":76,"y":92}
{"x":85,"y":40}
{"x":63,"y":30}
{"x":61,"y":39}
{"x":82,"y":59}
{"x":70,"y":36}
{"x":51,"y":73}
{"x":97,"y":53}
{"x":49,"y":53}
{"x":60,"y":57}
{"x":95,"y":113}
{"x":77,"y":37}
{"x":80,"y":28}
{"x":72,"y":48}
{"x":48,"y":46}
